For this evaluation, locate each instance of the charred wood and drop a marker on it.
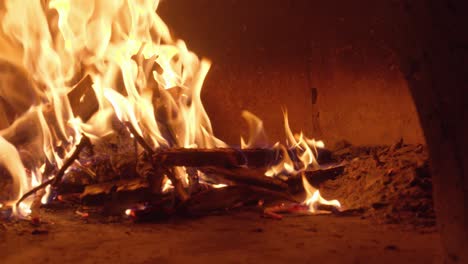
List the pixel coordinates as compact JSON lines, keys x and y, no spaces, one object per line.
{"x":315,"y":177}
{"x":177,"y":183}
{"x":220,"y":157}
{"x":228,"y":157}
{"x":255,"y":177}
{"x":122,"y":190}
{"x":82,"y":99}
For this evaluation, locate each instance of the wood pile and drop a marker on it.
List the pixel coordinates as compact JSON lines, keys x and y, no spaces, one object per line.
{"x":218,"y":179}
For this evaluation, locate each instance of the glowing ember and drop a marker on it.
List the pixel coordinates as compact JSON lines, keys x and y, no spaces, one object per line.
{"x":167,"y":185}
{"x":24,"y":209}
{"x":219,"y":185}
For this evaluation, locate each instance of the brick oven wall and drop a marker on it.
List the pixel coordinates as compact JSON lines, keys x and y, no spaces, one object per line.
{"x":330,"y":63}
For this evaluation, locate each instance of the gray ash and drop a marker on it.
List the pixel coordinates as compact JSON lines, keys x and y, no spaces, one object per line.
{"x":391,"y":183}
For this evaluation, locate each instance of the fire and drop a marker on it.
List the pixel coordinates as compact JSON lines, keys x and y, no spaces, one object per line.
{"x":257,"y":134}
{"x":306,"y":151}
{"x":139,"y":73}
{"x":10,"y":160}
{"x":313,"y":198}
{"x":128,"y":212}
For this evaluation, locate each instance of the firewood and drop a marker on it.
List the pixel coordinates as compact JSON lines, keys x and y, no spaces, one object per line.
{"x":293,"y":183}
{"x":153,"y":174}
{"x":219,"y":157}
{"x":85,"y":142}
{"x":248,"y":176}
{"x":315,"y":177}
{"x":123,"y":190}
{"x":227,"y":157}
{"x":177,"y":183}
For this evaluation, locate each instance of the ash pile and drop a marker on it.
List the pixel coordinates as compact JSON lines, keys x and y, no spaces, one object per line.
{"x":390,"y":184}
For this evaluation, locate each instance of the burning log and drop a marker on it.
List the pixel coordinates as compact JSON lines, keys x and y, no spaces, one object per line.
{"x":159,"y":171}
{"x":226,"y":163}
{"x":135,"y":189}
{"x":219,"y":157}
{"x":227,"y":157}
{"x":315,"y":177}
{"x":248,"y":176}
{"x":178,"y":186}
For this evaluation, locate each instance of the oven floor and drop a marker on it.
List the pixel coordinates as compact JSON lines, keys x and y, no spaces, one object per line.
{"x":241,"y":237}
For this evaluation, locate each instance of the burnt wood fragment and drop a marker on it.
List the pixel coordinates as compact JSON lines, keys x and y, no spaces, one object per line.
{"x":315,"y":177}
{"x":219,"y":157}
{"x":136,"y":189}
{"x":248,"y":176}
{"x":229,"y":157}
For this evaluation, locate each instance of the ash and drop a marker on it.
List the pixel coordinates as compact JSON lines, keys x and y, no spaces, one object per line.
{"x":390,"y":184}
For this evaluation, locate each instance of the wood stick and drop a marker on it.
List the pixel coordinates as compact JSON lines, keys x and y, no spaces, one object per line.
{"x":177,"y":183}
{"x":228,"y":157}
{"x":126,"y":190}
{"x":84,"y":142}
{"x":58,"y":177}
{"x":156,"y":178}
{"x":219,"y":157}
{"x":315,"y":177}
{"x":248,"y":176}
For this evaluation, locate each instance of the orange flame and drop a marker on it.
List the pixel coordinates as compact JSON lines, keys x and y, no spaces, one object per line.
{"x":139,"y":73}
{"x":256,"y":131}
{"x":306,"y":150}
{"x":313,"y":198}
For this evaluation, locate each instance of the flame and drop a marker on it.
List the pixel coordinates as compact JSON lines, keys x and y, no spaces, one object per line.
{"x":256,"y":131}
{"x":167,"y":185}
{"x":306,"y":151}
{"x":161,"y":79}
{"x":303,"y":148}
{"x":285,"y":166}
{"x":11,"y":161}
{"x":313,"y":198}
{"x":139,"y":73}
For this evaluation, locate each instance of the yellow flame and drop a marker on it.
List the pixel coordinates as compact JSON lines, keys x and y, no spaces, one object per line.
{"x":313,"y":198}
{"x":11,"y":161}
{"x":305,"y":149}
{"x":139,"y":73}
{"x":167,"y":185}
{"x":256,"y":131}
{"x":109,"y":41}
{"x":285,"y":166}
{"x":219,"y":185}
